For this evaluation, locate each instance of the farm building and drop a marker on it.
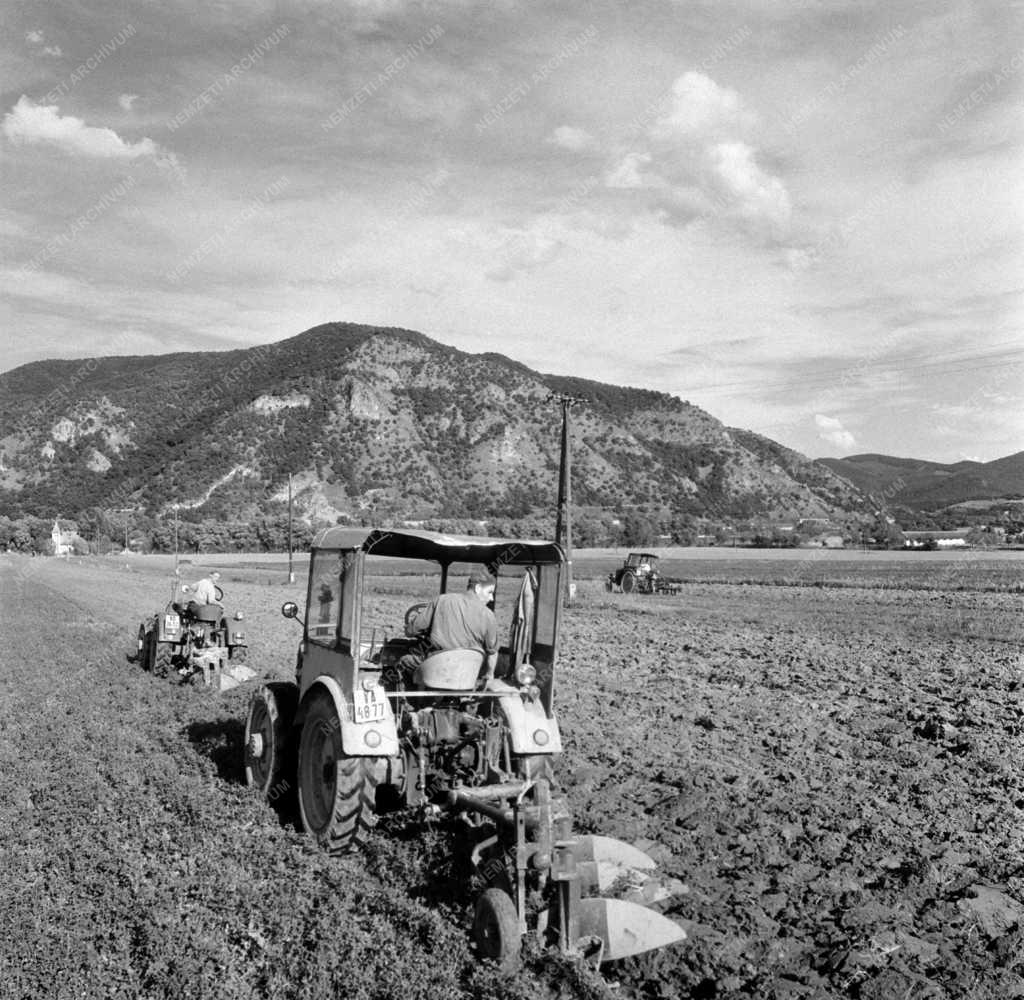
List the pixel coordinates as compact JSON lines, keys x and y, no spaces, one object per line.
{"x":955,"y":538}
{"x":63,"y":539}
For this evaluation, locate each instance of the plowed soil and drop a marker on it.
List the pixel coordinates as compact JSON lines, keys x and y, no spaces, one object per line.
{"x":833,"y":773}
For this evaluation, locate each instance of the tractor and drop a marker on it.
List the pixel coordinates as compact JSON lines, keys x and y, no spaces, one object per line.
{"x":639,"y":574}
{"x":191,"y":640}
{"x":355,"y":739}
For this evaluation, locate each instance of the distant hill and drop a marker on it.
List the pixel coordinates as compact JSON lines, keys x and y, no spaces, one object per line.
{"x":376,"y":421}
{"x":923,"y":485}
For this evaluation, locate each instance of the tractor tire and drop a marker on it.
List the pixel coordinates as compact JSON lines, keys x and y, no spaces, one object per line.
{"x":161,"y":658}
{"x":141,"y":654}
{"x":628,"y":582}
{"x":496,"y":929}
{"x":336,"y":792}
{"x":269,"y":749}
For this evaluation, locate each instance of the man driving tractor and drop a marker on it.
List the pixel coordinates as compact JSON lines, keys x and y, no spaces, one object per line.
{"x":456,"y":620}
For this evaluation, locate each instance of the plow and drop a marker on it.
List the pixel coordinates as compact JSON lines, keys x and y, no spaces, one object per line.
{"x":357,"y":735}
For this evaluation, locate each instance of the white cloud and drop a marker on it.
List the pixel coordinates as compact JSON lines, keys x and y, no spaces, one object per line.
{"x":755,"y":193}
{"x":831,"y":429}
{"x":700,"y":107}
{"x":626,"y":173}
{"x":37,"y":124}
{"x":699,"y":163}
{"x":127,"y":100}
{"x":571,"y":138}
{"x":36,"y":38}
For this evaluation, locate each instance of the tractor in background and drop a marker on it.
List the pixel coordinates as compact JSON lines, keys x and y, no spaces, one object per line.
{"x":356,"y":739}
{"x":190,"y":640}
{"x":639,"y":574}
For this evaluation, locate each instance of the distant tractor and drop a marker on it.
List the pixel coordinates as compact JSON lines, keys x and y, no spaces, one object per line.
{"x":191,"y":639}
{"x":639,"y":573}
{"x":357,"y":734}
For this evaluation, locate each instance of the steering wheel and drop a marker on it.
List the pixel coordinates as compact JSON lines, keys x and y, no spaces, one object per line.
{"x":218,"y":592}
{"x":409,"y":616}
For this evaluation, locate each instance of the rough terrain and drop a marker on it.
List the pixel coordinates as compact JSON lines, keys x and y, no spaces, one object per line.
{"x":833,"y":772}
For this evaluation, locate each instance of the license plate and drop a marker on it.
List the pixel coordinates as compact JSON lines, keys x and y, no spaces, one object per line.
{"x":170,"y":623}
{"x":369,"y":706}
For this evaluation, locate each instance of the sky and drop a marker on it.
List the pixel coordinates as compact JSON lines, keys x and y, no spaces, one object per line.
{"x":803,"y":217}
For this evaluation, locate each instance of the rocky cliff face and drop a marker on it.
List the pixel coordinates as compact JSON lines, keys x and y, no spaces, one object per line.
{"x":375,"y":418}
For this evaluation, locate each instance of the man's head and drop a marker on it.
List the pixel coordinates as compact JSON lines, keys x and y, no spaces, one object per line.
{"x":215,"y":576}
{"x":482,"y":584}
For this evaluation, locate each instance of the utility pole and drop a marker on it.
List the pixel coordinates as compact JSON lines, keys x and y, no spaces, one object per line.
{"x":126,"y":511}
{"x":563,"y":512}
{"x":175,"y":539}
{"x":291,"y":573}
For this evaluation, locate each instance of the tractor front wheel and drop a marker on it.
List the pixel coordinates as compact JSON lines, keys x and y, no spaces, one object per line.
{"x":336,"y":792}
{"x":628,"y":583}
{"x":496,"y":928}
{"x":141,"y":656}
{"x":269,"y":757}
{"x":161,"y":657}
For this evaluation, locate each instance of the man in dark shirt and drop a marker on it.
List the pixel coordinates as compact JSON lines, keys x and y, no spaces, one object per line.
{"x":459,"y":621}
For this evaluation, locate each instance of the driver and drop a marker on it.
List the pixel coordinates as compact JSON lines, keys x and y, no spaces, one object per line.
{"x":458,"y":621}
{"x":206,"y":590}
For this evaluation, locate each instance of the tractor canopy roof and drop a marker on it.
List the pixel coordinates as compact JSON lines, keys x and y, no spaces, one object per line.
{"x":411,"y":543}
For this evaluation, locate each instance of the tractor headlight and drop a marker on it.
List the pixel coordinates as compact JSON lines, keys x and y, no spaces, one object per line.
{"x":525,"y":674}
{"x":540,"y":737}
{"x":372,"y":738}
{"x":238,"y":637}
{"x":239,"y":617}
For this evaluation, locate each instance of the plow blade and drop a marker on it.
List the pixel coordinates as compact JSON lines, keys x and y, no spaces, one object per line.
{"x":626,"y":928}
{"x":610,"y":866}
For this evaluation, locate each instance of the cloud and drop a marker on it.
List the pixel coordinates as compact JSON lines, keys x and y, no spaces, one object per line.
{"x":36,"y":38}
{"x":700,"y":107}
{"x":754,"y":193}
{"x":32,"y":124}
{"x":699,"y":163}
{"x":626,"y":173}
{"x":127,"y":100}
{"x":574,"y":139}
{"x":831,"y":429}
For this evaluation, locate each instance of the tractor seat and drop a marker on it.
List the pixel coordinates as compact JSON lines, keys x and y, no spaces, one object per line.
{"x":205,"y":612}
{"x":449,"y":670}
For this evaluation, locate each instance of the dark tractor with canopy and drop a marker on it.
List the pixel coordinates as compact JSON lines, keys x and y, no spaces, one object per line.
{"x":356,"y":737}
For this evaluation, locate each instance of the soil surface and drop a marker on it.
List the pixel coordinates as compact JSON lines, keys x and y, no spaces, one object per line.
{"x":834,"y":774}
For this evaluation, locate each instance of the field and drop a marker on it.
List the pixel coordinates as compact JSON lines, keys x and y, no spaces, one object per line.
{"x":824,"y":747}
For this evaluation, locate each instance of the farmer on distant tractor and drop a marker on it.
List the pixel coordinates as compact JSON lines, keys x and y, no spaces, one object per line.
{"x":456,"y":621}
{"x":206,"y":590}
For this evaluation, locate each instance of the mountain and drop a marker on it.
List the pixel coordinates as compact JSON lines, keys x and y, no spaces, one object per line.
{"x":923,"y":485}
{"x":372,"y":421}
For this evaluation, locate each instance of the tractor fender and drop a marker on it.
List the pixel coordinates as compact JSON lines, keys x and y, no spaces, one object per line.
{"x":353,"y":734}
{"x":526,"y":721}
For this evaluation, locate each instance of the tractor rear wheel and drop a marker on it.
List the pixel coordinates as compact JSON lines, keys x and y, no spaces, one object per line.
{"x":336,"y":792}
{"x":628,"y":582}
{"x":269,"y":753}
{"x":496,"y":928}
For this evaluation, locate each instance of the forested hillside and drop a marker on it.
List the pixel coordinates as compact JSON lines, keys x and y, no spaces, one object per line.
{"x":373,"y":424}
